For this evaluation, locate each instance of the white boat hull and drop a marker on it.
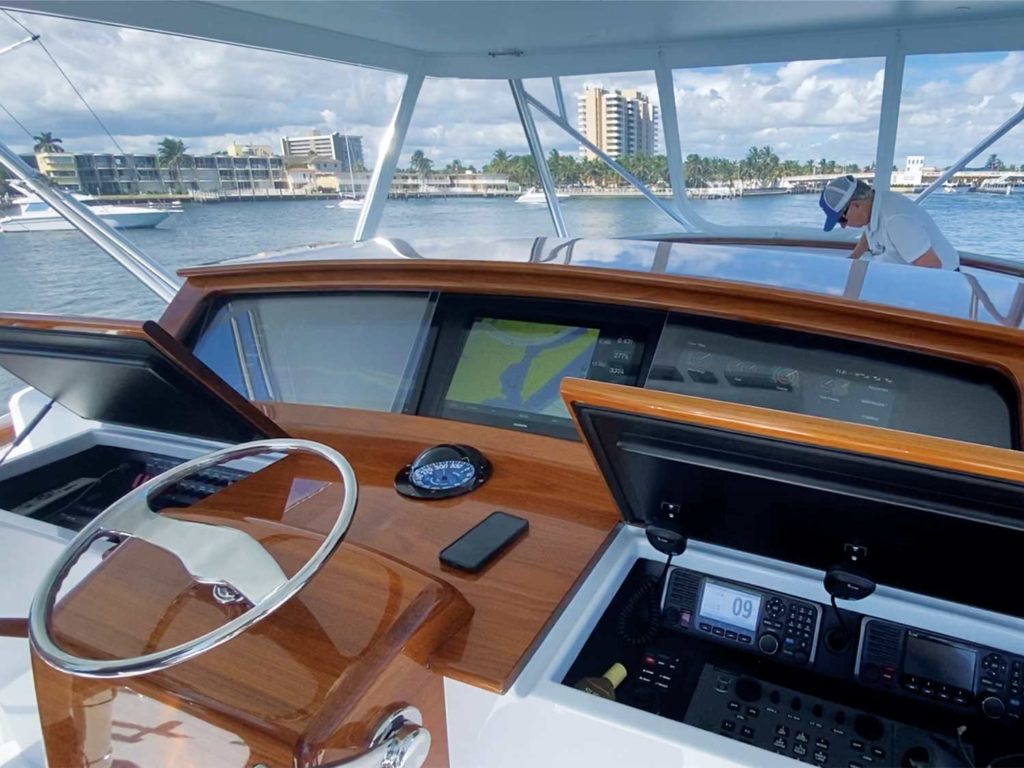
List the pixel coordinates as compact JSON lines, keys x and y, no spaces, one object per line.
{"x":538,"y":198}
{"x":54,"y":223}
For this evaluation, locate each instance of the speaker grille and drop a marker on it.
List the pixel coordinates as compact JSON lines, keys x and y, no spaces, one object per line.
{"x":882,"y":642}
{"x":682,"y":589}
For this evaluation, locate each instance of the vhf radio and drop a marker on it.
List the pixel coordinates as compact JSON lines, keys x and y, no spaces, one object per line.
{"x":758,"y":621}
{"x":953,"y":673}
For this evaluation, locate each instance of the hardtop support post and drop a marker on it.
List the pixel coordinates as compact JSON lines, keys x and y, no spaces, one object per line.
{"x":387,"y":158}
{"x":610,"y":162}
{"x":533,"y":139}
{"x":888,"y":120}
{"x":556,"y":83}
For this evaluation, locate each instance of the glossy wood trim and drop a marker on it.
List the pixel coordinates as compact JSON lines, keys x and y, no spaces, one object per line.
{"x":181,"y":356}
{"x":181,"y":313}
{"x":552,"y":483}
{"x":803,"y":310}
{"x":983,"y":344}
{"x":173,"y":351}
{"x":404,"y":682}
{"x":863,"y":439}
{"x":72,"y":323}
{"x":313,"y":677}
{"x":13,"y":627}
{"x":7,"y":433}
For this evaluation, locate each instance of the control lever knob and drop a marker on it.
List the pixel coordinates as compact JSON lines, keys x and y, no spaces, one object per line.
{"x":869,"y":727}
{"x":768,"y":644}
{"x":748,"y":689}
{"x":993,"y":707}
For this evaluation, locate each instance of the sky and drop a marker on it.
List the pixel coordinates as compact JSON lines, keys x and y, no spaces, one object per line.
{"x":146,"y":86}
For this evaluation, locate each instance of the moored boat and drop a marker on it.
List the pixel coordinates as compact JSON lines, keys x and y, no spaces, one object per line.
{"x":536,"y":196}
{"x":34,"y":215}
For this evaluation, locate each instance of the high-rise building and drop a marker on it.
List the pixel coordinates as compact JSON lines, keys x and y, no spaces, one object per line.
{"x":618,"y":122}
{"x":334,"y":146}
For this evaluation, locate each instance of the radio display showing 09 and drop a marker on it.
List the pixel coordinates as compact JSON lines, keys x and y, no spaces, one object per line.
{"x":730,"y":606}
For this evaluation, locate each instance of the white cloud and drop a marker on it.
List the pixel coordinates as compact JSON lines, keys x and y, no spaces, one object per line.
{"x":956,"y":101}
{"x":147,"y":86}
{"x":996,"y":77}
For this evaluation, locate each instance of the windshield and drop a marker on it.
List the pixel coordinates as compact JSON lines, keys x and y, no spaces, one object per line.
{"x":220,"y":152}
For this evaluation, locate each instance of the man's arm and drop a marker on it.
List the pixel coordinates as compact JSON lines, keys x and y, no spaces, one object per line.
{"x":861,"y":248}
{"x":928,"y":259}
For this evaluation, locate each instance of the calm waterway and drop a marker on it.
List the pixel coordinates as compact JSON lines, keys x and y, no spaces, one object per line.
{"x":63,"y":273}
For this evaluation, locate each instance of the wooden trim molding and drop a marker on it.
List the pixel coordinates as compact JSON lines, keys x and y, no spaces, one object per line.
{"x":379,"y":626}
{"x":40,"y":327}
{"x":7,"y":433}
{"x":313,"y":677}
{"x":13,"y":627}
{"x":552,"y":483}
{"x":943,"y":453}
{"x":996,"y":347}
{"x":72,"y":323}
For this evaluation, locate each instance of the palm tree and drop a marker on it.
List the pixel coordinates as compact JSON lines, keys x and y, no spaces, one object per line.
{"x":171,"y":155}
{"x":420,"y":163}
{"x":47,"y":142}
{"x":499,"y":163}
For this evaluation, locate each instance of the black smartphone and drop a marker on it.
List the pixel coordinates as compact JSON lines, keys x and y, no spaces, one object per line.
{"x":484,"y":541}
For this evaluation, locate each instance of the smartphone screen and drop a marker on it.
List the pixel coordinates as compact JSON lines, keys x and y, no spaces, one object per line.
{"x":481,"y":543}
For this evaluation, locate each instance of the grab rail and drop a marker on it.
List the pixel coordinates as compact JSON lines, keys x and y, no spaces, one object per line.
{"x":115,"y":245}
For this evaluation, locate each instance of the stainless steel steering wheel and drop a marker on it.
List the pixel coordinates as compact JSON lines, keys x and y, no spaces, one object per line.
{"x":211,"y":554}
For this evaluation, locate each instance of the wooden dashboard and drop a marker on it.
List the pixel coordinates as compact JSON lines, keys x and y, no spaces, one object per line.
{"x":384,"y":622}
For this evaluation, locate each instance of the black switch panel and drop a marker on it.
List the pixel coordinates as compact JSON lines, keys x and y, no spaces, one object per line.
{"x":809,"y":729}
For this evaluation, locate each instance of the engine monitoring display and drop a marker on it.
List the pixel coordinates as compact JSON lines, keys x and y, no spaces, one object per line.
{"x":940,"y":662}
{"x":836,"y":392}
{"x":510,"y":371}
{"x":730,"y":606}
{"x":845,"y":381}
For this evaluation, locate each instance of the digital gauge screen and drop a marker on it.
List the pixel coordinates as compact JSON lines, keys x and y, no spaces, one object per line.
{"x":940,"y":662}
{"x":730,"y":606}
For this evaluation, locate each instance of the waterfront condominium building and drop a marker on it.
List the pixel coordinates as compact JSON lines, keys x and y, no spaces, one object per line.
{"x":141,"y":174}
{"x":335,"y":146}
{"x":618,"y":122}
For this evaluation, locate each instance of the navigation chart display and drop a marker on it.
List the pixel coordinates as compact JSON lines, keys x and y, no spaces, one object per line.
{"x":512,"y":369}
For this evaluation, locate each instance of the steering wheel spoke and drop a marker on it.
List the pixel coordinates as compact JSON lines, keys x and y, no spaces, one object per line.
{"x":211,"y":554}
{"x":214,"y":555}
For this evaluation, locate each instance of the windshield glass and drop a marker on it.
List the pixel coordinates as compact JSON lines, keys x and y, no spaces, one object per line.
{"x":759,"y":141}
{"x":356,"y":351}
{"x":950,"y":103}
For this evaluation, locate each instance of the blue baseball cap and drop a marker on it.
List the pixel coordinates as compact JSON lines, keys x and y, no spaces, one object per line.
{"x":836,"y":195}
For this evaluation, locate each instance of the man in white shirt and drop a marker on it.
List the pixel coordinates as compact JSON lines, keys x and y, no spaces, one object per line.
{"x":898,"y":231}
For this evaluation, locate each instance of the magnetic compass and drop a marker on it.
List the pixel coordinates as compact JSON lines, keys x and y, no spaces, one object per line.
{"x":443,"y":471}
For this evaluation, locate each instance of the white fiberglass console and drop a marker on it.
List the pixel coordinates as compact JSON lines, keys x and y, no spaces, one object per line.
{"x":543,"y":720}
{"x":736,"y":653}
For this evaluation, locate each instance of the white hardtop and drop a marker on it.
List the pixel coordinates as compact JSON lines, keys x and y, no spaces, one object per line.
{"x":503,"y":39}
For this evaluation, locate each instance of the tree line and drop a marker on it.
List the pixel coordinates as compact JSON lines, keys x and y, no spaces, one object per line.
{"x":761,"y":166}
